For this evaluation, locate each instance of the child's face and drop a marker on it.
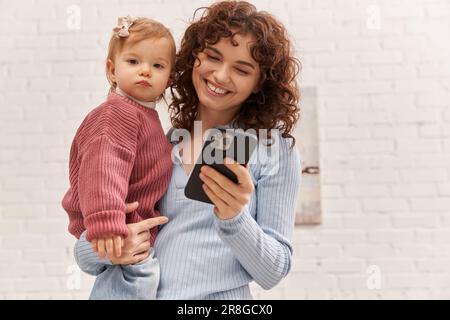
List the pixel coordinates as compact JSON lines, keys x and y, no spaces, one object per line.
{"x":142,"y":70}
{"x":226,"y":75}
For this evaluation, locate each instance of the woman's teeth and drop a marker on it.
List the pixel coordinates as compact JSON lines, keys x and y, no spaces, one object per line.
{"x":214,"y":89}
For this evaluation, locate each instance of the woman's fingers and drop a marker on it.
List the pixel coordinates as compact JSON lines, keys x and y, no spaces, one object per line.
{"x":150,"y":223}
{"x":143,"y":236}
{"x":241,"y":191}
{"x":144,"y":246}
{"x":220,"y":179}
{"x":141,"y":257}
{"x":220,"y":191}
{"x":218,"y":202}
{"x":240,"y":171}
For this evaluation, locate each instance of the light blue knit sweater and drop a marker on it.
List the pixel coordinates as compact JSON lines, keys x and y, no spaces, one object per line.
{"x":203,"y":257}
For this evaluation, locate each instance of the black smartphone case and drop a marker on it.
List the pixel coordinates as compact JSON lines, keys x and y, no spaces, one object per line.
{"x":194,"y":189}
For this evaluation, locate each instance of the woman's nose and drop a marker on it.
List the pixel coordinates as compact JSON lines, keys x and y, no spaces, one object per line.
{"x":222,"y":74}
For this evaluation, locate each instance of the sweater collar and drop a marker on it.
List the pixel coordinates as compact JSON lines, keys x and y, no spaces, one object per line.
{"x":147,"y":104}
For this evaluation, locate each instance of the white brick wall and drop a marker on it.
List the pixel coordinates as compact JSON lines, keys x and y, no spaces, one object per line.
{"x":384,"y":129}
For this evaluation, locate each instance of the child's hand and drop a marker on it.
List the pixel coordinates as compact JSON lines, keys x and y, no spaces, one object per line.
{"x":110,"y":246}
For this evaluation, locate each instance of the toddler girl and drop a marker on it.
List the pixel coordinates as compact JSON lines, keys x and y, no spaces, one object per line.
{"x":120,"y":155}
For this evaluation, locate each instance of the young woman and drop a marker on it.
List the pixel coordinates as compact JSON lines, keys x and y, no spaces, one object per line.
{"x":235,"y":69}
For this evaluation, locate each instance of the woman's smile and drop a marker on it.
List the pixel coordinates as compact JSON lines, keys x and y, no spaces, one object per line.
{"x":215,"y":90}
{"x":224,"y":76}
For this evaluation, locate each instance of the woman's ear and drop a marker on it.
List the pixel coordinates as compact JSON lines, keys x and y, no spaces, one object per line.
{"x":111,"y":70}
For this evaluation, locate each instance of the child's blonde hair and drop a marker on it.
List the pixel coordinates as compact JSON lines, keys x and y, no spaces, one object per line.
{"x":141,"y":29}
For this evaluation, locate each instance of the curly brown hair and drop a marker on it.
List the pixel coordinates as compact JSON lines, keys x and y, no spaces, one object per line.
{"x":275,"y":105}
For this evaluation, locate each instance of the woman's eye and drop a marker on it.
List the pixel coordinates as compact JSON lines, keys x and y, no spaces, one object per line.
{"x":212,"y":58}
{"x":243,"y":72}
{"x":132,"y":61}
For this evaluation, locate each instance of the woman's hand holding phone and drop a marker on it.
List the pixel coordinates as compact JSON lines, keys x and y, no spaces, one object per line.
{"x":228,"y":197}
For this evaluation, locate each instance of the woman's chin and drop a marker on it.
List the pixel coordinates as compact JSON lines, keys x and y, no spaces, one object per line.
{"x":211,"y":106}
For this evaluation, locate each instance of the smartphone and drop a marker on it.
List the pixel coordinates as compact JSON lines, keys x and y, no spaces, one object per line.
{"x":220,"y":143}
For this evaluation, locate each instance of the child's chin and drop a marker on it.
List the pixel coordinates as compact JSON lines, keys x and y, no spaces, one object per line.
{"x":141,"y":97}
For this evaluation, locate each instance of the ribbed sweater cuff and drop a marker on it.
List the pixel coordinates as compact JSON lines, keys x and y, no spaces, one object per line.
{"x":234,"y":225}
{"x":76,"y":226}
{"x":102,"y":223}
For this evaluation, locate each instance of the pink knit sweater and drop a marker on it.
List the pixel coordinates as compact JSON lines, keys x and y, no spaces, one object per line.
{"x":120,"y":154}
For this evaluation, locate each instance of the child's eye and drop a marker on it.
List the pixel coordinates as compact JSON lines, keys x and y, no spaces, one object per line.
{"x":132,"y":61}
{"x":158,"y":66}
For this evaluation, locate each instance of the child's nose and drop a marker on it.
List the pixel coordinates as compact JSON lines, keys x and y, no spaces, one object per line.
{"x":145,"y":71}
